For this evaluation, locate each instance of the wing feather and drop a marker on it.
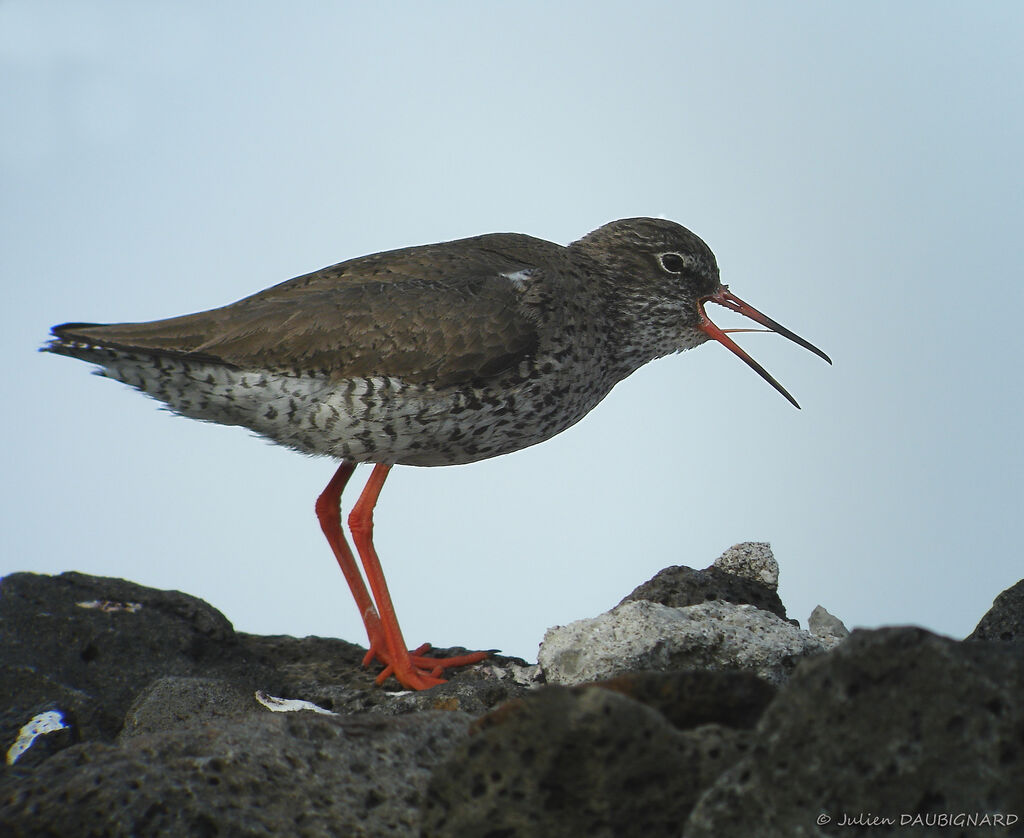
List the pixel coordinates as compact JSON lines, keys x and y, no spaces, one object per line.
{"x":442,"y":314}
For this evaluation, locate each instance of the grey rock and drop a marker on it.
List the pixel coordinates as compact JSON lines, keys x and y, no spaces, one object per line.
{"x":161,"y":732}
{"x":90,"y":644}
{"x":827,"y":628}
{"x":136,"y":713}
{"x":681,"y":586}
{"x":168,"y":703}
{"x":264,"y":774}
{"x":643,"y":635}
{"x":1005,"y":619}
{"x":894,"y":722}
{"x":689,"y":698}
{"x":329,"y":673}
{"x":752,"y":560}
{"x":568,"y":762}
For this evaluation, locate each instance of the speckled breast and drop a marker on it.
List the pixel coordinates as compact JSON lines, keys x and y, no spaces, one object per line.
{"x":373,"y":419}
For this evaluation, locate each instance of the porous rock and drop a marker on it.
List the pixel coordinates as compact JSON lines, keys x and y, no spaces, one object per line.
{"x":136,"y":713}
{"x":894,"y":723}
{"x":689,"y":698}
{"x":1005,"y":619}
{"x":571,"y":762}
{"x":169,"y":702}
{"x":746,"y":574}
{"x":130,"y":711}
{"x":751,"y":560}
{"x":299,"y":773}
{"x":640,"y":635}
{"x":89,"y":644}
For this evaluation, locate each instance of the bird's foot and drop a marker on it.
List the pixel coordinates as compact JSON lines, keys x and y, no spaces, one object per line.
{"x":414,"y":669}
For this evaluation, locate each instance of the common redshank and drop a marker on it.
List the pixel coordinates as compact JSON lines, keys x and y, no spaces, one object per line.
{"x":427,"y":356}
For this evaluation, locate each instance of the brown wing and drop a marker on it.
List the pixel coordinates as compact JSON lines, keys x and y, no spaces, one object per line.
{"x":441,"y":314}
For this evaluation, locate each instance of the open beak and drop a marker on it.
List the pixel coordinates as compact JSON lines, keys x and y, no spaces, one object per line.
{"x":724,"y":298}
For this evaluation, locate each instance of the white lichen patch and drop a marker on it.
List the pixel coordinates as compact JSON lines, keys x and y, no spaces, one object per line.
{"x":289,"y":705}
{"x":108,"y":606}
{"x":38,"y":725}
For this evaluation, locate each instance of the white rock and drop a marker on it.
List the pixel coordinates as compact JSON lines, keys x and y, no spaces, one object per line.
{"x":752,"y":560}
{"x":640,"y":635}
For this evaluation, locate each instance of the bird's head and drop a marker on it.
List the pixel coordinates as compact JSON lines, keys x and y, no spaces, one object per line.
{"x":662,"y":277}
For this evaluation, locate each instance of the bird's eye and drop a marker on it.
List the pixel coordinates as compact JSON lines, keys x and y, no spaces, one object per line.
{"x":672,"y":262}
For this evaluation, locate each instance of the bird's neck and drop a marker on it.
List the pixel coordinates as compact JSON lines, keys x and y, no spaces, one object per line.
{"x":637,"y":332}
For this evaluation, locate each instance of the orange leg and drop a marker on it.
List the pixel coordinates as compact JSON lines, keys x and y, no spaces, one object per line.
{"x":328,"y":511}
{"x":411,"y":669}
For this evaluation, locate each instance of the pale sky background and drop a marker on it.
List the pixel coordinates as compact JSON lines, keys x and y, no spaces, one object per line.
{"x":855,"y":167}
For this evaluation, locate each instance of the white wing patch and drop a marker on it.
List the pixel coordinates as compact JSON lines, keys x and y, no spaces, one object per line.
{"x":518,"y":278}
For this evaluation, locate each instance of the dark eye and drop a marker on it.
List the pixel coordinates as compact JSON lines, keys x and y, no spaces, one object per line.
{"x":672,"y":262}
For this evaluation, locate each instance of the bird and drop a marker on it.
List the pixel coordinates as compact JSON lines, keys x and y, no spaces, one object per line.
{"x":432,"y":355}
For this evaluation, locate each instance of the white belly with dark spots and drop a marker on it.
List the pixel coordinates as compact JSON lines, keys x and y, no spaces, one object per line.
{"x":376,"y":419}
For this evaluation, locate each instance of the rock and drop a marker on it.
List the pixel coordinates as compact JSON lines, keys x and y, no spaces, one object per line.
{"x":895,"y":722}
{"x":828,"y":629}
{"x":566,"y":762}
{"x":640,"y":635}
{"x":329,"y":673}
{"x":90,"y":646}
{"x":168,"y":703}
{"x":130,"y":711}
{"x":1005,"y":619}
{"x":690,"y":698}
{"x":257,"y":774}
{"x":752,"y":560}
{"x":742,"y":583}
{"x":86,"y":645}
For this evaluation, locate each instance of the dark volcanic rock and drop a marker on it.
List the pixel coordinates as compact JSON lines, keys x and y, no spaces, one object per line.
{"x":680,"y":586}
{"x":130,"y":711}
{"x":1005,"y":619}
{"x":90,"y":646}
{"x":576,"y":761}
{"x":698,"y":697}
{"x":86,"y":645}
{"x":272,"y":774}
{"x":170,"y":702}
{"x":894,"y":722}
{"x":329,"y":673}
